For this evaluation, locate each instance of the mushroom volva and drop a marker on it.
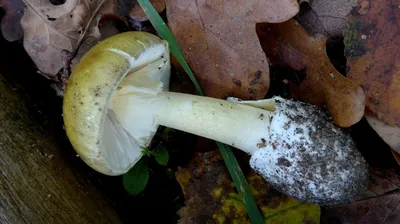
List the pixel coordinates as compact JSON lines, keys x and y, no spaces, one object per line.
{"x":117,"y":96}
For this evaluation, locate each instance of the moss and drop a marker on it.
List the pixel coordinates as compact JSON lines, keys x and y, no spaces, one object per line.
{"x":354,"y":44}
{"x":292,"y":211}
{"x":217,"y":192}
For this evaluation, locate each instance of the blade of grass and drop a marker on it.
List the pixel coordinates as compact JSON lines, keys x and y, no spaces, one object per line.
{"x":240,"y":183}
{"x":166,"y":34}
{"x":230,"y":160}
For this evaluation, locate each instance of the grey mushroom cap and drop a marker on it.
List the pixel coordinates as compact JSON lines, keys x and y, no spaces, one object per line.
{"x":309,"y":158}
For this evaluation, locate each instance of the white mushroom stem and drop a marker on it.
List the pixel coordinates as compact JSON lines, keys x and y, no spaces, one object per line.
{"x":234,"y":124}
{"x":242,"y":126}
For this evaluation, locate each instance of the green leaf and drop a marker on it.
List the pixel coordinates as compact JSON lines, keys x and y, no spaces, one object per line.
{"x":162,"y":156}
{"x":146,"y":151}
{"x":135,"y":180}
{"x":230,"y":160}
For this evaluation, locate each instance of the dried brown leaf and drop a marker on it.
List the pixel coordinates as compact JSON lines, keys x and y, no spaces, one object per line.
{"x":106,"y":27}
{"x":383,"y":209}
{"x":220,"y":42}
{"x":49,"y":29}
{"x":212,"y":198}
{"x":396,"y":156}
{"x":288,"y":44}
{"x":325,"y":16}
{"x":378,"y":205}
{"x":372,"y":42}
{"x":138,"y":14}
{"x":389,"y":134}
{"x":304,"y":1}
{"x":10,"y":23}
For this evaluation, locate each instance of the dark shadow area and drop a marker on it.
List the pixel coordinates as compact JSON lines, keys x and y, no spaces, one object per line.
{"x":335,"y":52}
{"x":377,"y":153}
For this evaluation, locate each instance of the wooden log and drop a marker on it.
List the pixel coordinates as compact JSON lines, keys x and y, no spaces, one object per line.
{"x":36,"y":183}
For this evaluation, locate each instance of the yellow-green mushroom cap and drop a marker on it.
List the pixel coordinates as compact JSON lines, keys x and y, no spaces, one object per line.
{"x":138,"y":58}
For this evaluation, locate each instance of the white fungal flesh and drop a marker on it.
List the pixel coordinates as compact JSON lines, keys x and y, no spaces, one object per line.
{"x":309,"y":158}
{"x":149,"y":74}
{"x":216,"y":119}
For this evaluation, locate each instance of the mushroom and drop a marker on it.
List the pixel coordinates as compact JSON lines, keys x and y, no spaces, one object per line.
{"x":117,"y":96}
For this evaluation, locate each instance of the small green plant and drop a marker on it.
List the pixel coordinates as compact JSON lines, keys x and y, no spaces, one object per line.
{"x":162,"y":157}
{"x":136,"y":179}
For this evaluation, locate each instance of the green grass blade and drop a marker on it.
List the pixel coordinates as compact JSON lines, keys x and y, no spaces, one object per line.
{"x":230,"y":160}
{"x":240,"y":183}
{"x":166,"y":34}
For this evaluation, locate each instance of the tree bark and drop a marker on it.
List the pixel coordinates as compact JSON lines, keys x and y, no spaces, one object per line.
{"x":36,"y":183}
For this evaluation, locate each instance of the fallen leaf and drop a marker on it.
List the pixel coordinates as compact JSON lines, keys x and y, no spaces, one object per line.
{"x":219,"y":41}
{"x":10,"y":23}
{"x":389,"y":134}
{"x":383,"y":209}
{"x":138,"y":14}
{"x":211,"y":196}
{"x":382,"y":181}
{"x":372,"y":41}
{"x":288,"y":44}
{"x":396,"y":156}
{"x":304,"y":1}
{"x":378,"y":205}
{"x":49,"y":29}
{"x":106,"y":28}
{"x":325,"y":16}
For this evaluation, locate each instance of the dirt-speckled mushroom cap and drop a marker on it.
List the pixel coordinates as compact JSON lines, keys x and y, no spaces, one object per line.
{"x":308,"y":157}
{"x":90,"y":125}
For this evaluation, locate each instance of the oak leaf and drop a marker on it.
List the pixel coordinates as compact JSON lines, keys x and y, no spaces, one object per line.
{"x":396,"y":156}
{"x":378,"y":205}
{"x":138,"y":14}
{"x":51,"y":29}
{"x":211,"y":196}
{"x":389,"y":134}
{"x":219,"y":41}
{"x":288,"y":44}
{"x":372,"y":41}
{"x":325,"y":16}
{"x":10,"y":23}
